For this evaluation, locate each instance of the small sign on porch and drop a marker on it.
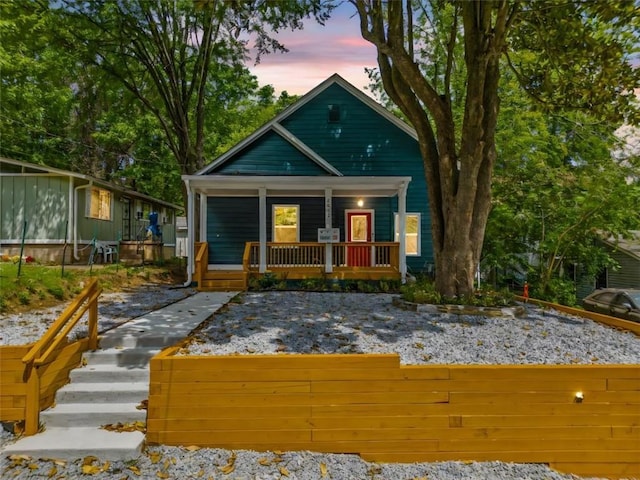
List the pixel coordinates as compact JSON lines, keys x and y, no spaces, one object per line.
{"x":328,"y":235}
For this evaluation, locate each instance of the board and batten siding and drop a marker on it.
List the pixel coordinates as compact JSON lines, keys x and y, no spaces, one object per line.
{"x":43,"y":201}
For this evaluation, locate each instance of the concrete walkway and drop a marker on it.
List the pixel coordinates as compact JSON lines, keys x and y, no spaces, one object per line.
{"x":115,"y":379}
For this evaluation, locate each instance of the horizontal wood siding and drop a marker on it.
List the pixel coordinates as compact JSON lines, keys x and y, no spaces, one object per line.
{"x":43,"y":201}
{"x":628,"y":275}
{"x":371,"y":405}
{"x":231,"y":222}
{"x":368,"y":144}
{"x":270,"y":155}
{"x":53,"y":376}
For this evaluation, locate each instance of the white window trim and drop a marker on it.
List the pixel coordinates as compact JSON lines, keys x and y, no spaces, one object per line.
{"x":273,"y":220}
{"x":396,"y":234}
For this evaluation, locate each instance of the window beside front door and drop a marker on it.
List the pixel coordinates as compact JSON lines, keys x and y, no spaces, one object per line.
{"x":286,"y":223}
{"x":412,"y":233}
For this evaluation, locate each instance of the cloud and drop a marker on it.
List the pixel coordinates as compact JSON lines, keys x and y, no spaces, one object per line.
{"x":317,"y":52}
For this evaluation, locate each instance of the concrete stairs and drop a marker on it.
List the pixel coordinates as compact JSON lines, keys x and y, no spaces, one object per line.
{"x":106,"y":391}
{"x":111,"y":385}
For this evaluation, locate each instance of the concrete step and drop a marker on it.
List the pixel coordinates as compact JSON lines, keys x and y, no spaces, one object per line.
{"x":74,"y":443}
{"x":91,"y":414}
{"x":95,"y":373}
{"x":122,"y":357}
{"x":128,"y":340}
{"x":113,"y":392}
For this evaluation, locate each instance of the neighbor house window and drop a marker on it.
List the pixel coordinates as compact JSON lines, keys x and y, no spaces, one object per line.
{"x":412,"y":232}
{"x":99,"y":203}
{"x":286,"y":223}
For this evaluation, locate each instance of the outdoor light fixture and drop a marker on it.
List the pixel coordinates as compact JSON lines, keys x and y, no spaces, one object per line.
{"x":360,"y":202}
{"x":579,"y":397}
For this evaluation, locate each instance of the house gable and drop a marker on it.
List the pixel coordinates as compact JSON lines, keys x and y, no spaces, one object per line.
{"x":337,"y":127}
{"x":354,"y":137}
{"x":270,"y":154}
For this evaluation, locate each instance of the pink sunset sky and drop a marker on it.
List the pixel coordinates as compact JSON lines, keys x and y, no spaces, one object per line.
{"x":316,"y":53}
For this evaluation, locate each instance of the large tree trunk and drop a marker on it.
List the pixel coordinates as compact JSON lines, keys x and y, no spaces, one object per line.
{"x":458,"y":173}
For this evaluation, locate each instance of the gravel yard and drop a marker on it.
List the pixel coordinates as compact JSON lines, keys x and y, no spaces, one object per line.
{"x":303,"y":322}
{"x":297,"y":322}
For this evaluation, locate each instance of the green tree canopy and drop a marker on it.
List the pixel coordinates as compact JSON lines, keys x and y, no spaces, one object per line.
{"x":440,"y":63}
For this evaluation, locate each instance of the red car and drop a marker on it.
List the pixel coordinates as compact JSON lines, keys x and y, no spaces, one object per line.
{"x":617,"y":302}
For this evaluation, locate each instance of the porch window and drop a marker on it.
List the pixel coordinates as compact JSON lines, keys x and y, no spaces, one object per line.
{"x":286,"y":223}
{"x":412,"y":233}
{"x":98,"y":203}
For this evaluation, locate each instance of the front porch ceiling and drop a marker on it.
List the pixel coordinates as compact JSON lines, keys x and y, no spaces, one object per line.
{"x":296,"y":186}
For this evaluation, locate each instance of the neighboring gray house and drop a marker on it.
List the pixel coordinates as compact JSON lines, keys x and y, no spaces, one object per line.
{"x":62,"y":207}
{"x":626,"y":252}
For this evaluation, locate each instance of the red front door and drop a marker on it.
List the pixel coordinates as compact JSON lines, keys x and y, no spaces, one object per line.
{"x":359,"y":230}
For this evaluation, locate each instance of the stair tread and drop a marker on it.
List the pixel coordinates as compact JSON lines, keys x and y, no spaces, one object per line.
{"x":78,"y":407}
{"x":76,"y":442}
{"x":105,"y":386}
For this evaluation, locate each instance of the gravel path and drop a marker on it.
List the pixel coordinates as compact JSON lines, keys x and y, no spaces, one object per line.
{"x":291,"y":322}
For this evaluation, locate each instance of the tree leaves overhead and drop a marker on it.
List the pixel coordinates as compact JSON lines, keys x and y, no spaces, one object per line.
{"x":579,"y":55}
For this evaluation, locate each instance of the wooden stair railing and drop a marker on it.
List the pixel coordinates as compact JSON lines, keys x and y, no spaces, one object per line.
{"x":45,"y":348}
{"x":201,"y":262}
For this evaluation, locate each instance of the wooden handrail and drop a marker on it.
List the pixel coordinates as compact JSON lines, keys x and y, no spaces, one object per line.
{"x":44,"y":349}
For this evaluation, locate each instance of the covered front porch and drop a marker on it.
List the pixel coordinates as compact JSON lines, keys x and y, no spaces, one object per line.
{"x":301,"y":261}
{"x":335,"y":254}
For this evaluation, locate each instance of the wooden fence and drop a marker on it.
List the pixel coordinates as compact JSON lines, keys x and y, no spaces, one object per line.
{"x":583,"y":419}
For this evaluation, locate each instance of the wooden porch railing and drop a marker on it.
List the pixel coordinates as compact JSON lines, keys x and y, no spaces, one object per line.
{"x":201,"y":261}
{"x":312,"y":255}
{"x":43,"y":350}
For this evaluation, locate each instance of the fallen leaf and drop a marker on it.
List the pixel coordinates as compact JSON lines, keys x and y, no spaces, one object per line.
{"x":90,"y":469}
{"x":134,"y":469}
{"x":52,"y":472}
{"x":265,"y":462}
{"x":33,"y":466}
{"x":162,"y":475}
{"x":192,"y":448}
{"x":167,"y":464}
{"x":323,"y":470}
{"x":106,"y":466}
{"x":155,"y":457}
{"x":284,"y":472}
{"x":227,"y":469}
{"x":88,"y":460}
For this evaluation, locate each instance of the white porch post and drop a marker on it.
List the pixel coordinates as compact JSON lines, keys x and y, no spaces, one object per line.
{"x":328,"y":223}
{"x":402,"y":227}
{"x":203,"y":218}
{"x":262,"y":192}
{"x":190,"y":231}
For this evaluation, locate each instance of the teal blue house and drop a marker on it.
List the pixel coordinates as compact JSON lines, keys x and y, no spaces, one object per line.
{"x":332,"y":187}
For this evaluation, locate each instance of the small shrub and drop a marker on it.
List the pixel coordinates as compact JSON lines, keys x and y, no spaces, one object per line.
{"x":57,"y":292}
{"x":24,"y":298}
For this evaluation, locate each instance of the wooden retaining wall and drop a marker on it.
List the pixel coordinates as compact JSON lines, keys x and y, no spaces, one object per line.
{"x":54,"y":375}
{"x":373,"y":406}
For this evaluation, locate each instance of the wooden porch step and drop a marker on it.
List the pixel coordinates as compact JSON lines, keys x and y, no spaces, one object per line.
{"x":223,"y":281}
